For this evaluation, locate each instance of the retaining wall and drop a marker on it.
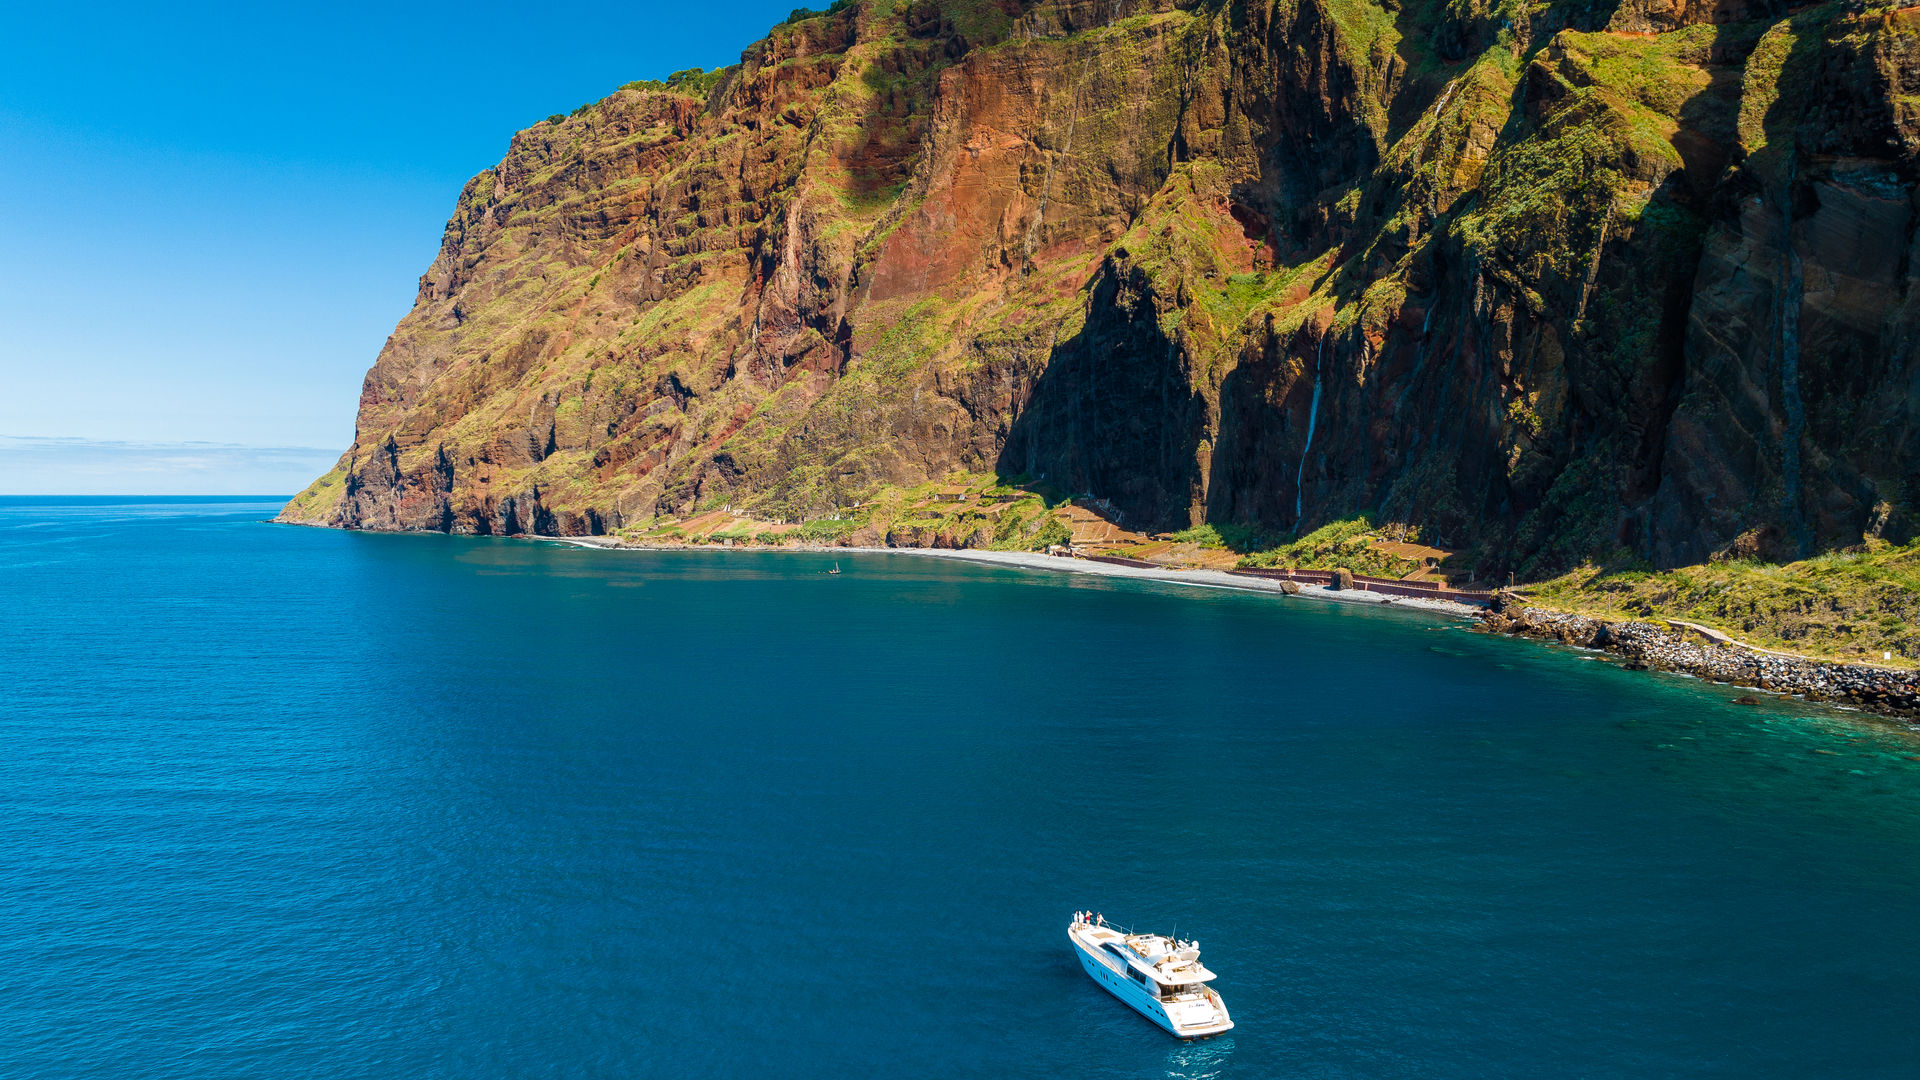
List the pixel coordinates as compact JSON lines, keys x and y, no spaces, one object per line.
{"x":1425,"y":590}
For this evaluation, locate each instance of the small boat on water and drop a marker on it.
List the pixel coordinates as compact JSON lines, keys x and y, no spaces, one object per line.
{"x":1160,"y":977}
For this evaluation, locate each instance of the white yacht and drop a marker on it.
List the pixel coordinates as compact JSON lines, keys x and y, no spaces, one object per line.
{"x":1161,"y":977}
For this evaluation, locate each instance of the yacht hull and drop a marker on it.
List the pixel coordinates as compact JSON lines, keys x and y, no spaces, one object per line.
{"x":1115,"y":982}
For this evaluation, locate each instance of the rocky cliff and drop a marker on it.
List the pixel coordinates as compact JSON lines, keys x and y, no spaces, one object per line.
{"x":1547,"y":280}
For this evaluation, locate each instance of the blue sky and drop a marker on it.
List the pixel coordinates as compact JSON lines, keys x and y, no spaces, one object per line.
{"x":211,"y":216}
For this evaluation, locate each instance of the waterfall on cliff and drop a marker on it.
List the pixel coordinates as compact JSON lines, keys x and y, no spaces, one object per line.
{"x":1419,"y":362}
{"x":1313,"y":415}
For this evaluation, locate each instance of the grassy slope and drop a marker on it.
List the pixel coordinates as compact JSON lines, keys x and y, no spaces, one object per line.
{"x":1350,"y":544}
{"x":1855,"y":606}
{"x":1847,"y":605}
{"x":1016,"y":517}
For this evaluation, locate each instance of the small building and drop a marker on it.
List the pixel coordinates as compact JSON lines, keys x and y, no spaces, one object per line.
{"x":950,"y":494}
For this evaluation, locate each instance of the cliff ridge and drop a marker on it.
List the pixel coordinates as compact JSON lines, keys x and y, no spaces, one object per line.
{"x":1551,"y":283}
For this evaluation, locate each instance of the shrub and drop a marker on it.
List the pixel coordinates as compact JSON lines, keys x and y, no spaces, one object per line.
{"x":1348,"y":543}
{"x":1053,"y":531}
{"x":693,"y":82}
{"x":825,"y":530}
{"x":1224,"y":535}
{"x":801,"y":14}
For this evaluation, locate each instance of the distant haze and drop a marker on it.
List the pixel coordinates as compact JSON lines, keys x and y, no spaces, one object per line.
{"x":216,"y":213}
{"x":40,"y":466}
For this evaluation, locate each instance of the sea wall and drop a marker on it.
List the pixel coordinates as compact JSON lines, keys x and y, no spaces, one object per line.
{"x":1650,"y":647}
{"x":1419,"y":590}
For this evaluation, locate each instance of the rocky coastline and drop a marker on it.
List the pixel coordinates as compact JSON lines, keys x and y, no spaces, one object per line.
{"x":1678,"y":647}
{"x":1674,"y":647}
{"x":1543,"y":287}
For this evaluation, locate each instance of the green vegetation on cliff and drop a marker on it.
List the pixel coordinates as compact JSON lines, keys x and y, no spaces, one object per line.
{"x":1539,"y":282}
{"x":1355,"y":544}
{"x":1857,"y":605}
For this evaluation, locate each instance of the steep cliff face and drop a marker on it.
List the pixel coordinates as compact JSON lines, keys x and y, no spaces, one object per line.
{"x":1549,"y":280}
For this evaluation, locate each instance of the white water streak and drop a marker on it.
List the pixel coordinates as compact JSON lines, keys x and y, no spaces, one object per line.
{"x":1313,"y":416}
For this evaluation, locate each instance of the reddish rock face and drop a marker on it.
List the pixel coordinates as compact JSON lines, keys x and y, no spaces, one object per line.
{"x":1549,"y":290}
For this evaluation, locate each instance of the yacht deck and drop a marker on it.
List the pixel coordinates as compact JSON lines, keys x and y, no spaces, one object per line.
{"x":1159,"y":958}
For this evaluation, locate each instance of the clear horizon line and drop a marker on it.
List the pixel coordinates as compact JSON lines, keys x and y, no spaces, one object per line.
{"x":160,"y":444}
{"x":138,"y":495}
{"x":73,"y":466}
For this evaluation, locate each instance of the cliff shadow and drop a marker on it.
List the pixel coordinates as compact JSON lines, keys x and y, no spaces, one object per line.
{"x":1840,"y":361}
{"x":1114,"y":413}
{"x":1260,"y":454}
{"x":1315,"y":427}
{"x":1777,"y":445}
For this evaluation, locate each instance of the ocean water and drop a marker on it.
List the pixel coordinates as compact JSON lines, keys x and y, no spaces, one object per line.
{"x":297,"y":803}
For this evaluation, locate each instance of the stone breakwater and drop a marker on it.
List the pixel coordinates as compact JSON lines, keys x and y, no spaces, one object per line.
{"x":1659,"y":648}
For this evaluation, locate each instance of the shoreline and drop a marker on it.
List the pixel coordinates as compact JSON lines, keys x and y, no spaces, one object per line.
{"x":1205,"y":579}
{"x":1882,"y":692}
{"x":1885,"y":693}
{"x":1200,"y":579}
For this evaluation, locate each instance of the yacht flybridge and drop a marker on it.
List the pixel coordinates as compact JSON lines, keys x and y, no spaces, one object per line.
{"x":1160,"y":977}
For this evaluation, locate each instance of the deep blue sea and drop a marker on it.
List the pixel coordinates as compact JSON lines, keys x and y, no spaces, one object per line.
{"x":283,"y":802}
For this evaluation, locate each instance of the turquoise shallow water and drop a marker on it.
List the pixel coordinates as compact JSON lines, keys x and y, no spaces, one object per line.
{"x":286,"y":802}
